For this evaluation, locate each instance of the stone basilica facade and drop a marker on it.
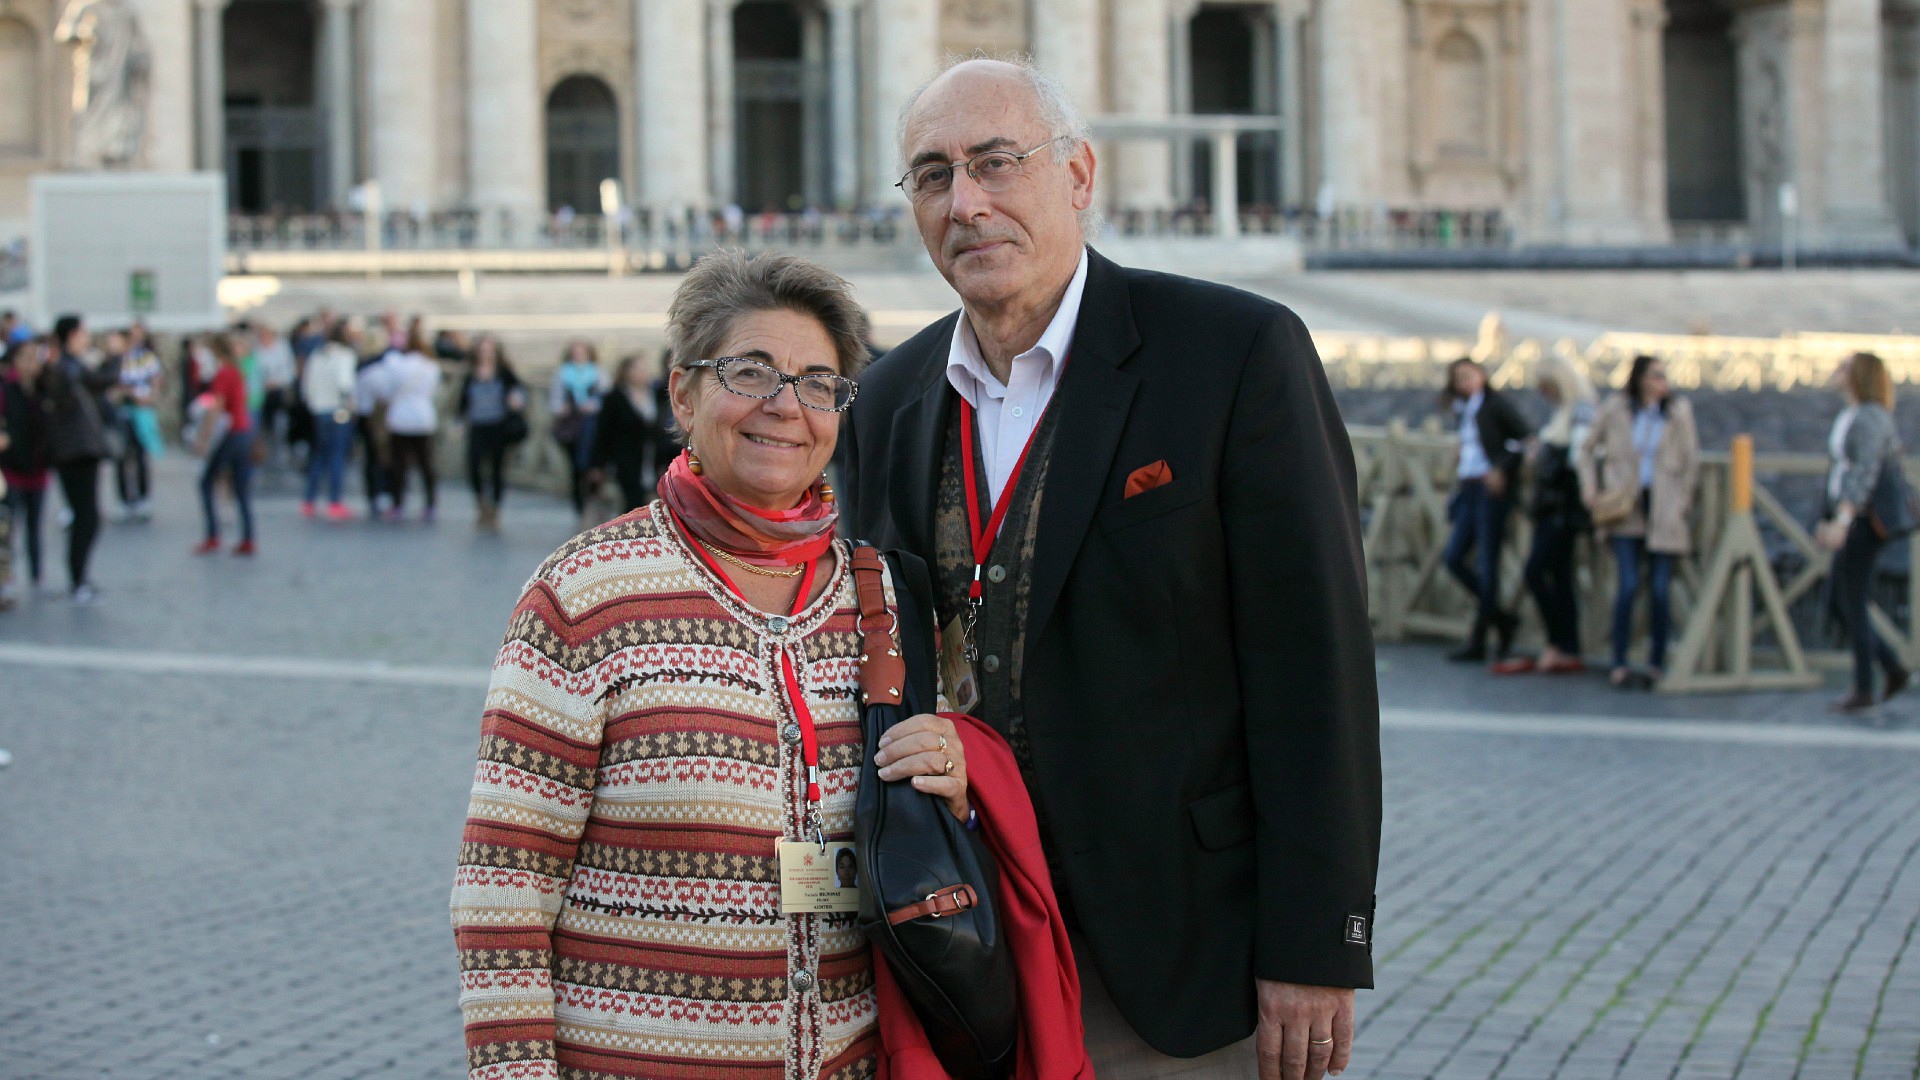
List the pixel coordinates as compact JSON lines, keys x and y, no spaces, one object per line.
{"x":1578,"y":121}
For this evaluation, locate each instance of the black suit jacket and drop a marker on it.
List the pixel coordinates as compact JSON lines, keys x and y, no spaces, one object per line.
{"x":1502,"y":430}
{"x":1199,"y":682}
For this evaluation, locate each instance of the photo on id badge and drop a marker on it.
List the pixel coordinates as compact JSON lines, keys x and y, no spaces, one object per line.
{"x":818,"y":877}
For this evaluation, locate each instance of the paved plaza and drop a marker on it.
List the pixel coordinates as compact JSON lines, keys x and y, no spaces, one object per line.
{"x":229,"y":830}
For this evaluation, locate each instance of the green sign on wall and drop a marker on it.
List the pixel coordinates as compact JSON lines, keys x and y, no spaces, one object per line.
{"x":140,"y":292}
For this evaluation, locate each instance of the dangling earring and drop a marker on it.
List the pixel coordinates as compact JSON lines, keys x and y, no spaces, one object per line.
{"x":693,"y":462}
{"x":826,"y":490}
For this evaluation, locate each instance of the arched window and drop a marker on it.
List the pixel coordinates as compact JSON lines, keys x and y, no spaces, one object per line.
{"x":583,"y":142}
{"x":1461,"y":99}
{"x":20,"y":100}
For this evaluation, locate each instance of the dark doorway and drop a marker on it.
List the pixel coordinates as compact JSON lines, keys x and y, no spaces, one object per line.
{"x":275,"y":157}
{"x":1228,"y":44}
{"x":1704,"y":160}
{"x":583,"y":143}
{"x":773,"y":85}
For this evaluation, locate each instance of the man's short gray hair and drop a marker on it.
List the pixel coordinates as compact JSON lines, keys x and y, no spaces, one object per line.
{"x":1057,"y":112}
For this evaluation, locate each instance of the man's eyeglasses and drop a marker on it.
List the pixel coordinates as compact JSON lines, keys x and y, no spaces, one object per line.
{"x":752,"y":378}
{"x":993,"y":171}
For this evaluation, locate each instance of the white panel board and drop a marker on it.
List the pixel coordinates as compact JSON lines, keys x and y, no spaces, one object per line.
{"x":95,"y":233}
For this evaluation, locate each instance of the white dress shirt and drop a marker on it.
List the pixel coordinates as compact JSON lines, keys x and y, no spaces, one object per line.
{"x":1006,"y":413}
{"x":1473,"y":457}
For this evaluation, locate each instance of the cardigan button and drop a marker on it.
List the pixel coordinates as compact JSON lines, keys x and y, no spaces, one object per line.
{"x":777,"y":624}
{"x":791,"y":733}
{"x":996,"y":574}
{"x":991,"y":663}
{"x":801,"y":982}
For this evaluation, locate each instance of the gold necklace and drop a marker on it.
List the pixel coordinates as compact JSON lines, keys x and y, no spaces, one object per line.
{"x":749,"y":567}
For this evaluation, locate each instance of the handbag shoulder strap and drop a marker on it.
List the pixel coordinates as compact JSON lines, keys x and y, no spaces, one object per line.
{"x":883,"y":673}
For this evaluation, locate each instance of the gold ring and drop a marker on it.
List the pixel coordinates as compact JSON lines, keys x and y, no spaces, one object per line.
{"x":943,"y":744}
{"x":949,"y":767}
{"x":1319,"y":1042}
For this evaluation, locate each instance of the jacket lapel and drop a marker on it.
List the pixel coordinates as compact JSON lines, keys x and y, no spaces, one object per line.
{"x":1094,"y":396}
{"x":918,"y":434}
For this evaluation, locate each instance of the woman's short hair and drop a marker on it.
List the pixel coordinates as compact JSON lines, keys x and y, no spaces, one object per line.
{"x":1868,"y":378}
{"x":727,"y":285}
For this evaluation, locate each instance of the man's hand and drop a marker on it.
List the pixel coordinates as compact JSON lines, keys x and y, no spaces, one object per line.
{"x":1496,"y":481}
{"x":1306,"y":1032}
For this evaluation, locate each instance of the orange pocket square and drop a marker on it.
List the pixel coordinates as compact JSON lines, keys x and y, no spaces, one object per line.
{"x":1148,"y":477}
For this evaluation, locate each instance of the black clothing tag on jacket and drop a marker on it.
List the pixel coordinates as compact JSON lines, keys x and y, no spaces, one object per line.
{"x":1359,"y":930}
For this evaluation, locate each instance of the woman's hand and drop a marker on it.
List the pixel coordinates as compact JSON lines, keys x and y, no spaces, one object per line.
{"x":928,"y":749}
{"x":1588,"y":495}
{"x":1830,"y":535}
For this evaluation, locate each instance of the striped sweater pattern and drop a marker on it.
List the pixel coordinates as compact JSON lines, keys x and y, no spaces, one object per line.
{"x":617,"y":902}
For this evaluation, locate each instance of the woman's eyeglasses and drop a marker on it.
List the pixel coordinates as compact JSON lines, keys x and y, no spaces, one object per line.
{"x":752,"y":378}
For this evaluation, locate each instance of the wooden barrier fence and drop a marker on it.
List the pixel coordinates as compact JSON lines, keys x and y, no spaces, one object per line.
{"x":1721,"y":639}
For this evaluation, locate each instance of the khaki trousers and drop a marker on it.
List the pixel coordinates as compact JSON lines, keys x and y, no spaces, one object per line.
{"x":1119,"y":1054}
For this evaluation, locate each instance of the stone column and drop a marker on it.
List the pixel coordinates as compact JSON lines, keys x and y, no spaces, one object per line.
{"x":1595,"y":119}
{"x":1180,"y":85}
{"x":1066,"y":42}
{"x":814,"y":125}
{"x":1853,"y":146}
{"x":673,"y":137}
{"x":906,"y":36}
{"x":1903,"y":114}
{"x":210,"y":111}
{"x":171,"y":143}
{"x":401,"y":105}
{"x":843,"y":134}
{"x":720,"y":144}
{"x":1350,"y":104}
{"x":1648,"y":184}
{"x":1289,"y":56}
{"x":1225,"y":201}
{"x":336,"y":96}
{"x":1142,"y":54}
{"x":504,"y":171}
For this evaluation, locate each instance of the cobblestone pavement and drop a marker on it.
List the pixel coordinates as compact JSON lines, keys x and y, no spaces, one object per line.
{"x":230,"y":824}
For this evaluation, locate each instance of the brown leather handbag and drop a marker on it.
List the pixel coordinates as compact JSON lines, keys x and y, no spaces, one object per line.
{"x":927,"y":883}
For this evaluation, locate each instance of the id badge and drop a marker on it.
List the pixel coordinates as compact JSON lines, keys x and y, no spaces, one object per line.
{"x":816,"y":877}
{"x":956,"y":675}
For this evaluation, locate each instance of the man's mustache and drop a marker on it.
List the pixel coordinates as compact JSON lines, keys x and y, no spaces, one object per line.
{"x":971,"y":239}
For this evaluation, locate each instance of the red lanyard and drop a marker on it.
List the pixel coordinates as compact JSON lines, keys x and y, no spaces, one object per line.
{"x":983,"y":538}
{"x":802,"y":715}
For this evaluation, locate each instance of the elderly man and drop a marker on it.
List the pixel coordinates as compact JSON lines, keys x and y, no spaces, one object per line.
{"x":1140,"y":505}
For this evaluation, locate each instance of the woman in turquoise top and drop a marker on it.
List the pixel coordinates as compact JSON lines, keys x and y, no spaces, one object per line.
{"x":574,"y":401}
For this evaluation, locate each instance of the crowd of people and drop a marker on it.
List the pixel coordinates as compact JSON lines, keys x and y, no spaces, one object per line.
{"x":1626,"y":471}
{"x":75,"y":406}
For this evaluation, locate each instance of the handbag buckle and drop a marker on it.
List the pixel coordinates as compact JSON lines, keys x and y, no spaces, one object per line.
{"x":960,"y":897}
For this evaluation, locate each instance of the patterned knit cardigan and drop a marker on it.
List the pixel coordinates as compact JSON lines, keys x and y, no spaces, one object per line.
{"x":617,"y":906}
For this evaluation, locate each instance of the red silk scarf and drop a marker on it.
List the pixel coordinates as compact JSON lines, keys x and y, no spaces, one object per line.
{"x":761,"y":537}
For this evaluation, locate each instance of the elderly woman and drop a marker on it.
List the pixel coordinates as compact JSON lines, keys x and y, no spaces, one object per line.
{"x":676,"y":697}
{"x":1864,"y":446}
{"x":1644,"y":441}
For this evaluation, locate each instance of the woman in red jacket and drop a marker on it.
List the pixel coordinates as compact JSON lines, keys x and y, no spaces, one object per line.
{"x":232,"y":454}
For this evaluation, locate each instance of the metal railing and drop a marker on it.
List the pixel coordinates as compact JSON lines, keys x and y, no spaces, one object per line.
{"x":1379,"y":230}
